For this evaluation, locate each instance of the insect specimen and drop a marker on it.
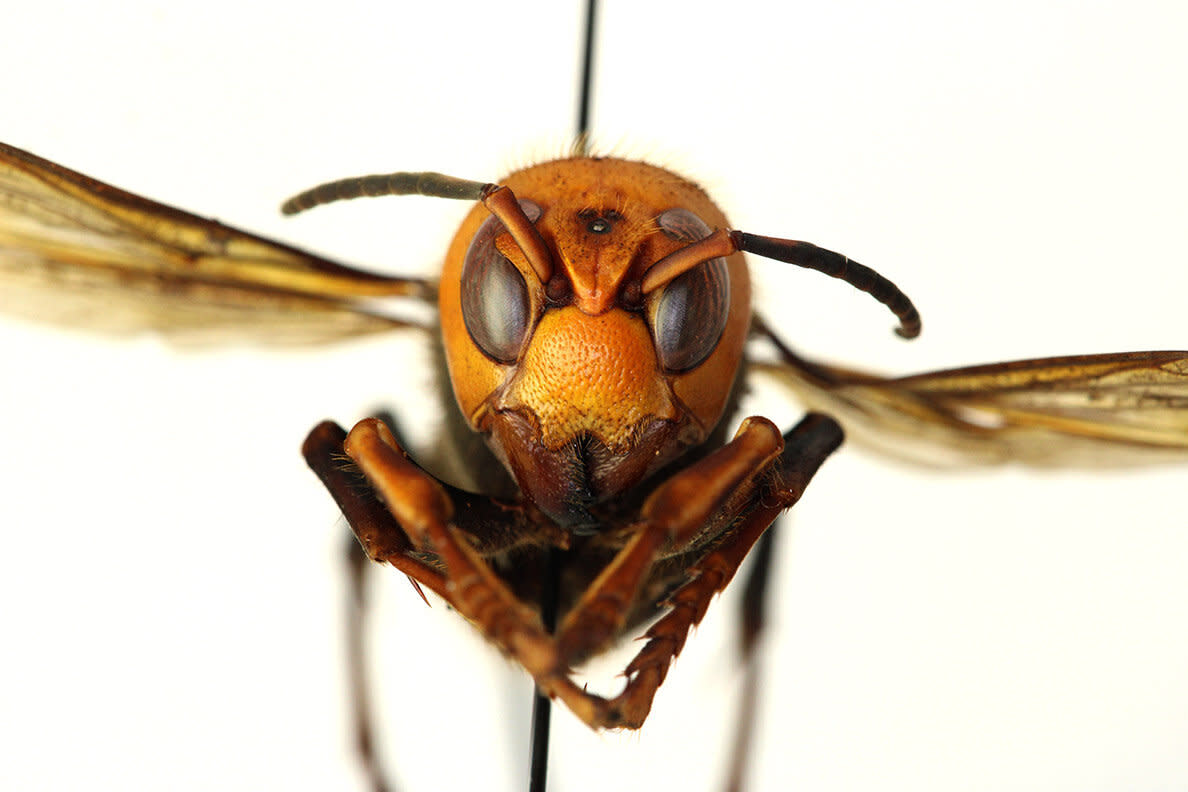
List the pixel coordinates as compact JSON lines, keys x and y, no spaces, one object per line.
{"x":837,"y":212}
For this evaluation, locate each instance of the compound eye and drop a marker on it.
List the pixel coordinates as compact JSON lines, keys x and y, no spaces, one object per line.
{"x":495,"y":303}
{"x":690,"y":315}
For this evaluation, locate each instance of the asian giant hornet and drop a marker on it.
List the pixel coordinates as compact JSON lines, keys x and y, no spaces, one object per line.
{"x":836,"y":521}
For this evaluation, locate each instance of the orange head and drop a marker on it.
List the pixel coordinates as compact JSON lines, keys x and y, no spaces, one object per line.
{"x":584,"y":380}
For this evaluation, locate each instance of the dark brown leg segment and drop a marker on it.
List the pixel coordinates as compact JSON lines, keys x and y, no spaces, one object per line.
{"x":381,"y":537}
{"x":752,"y":623}
{"x":358,"y":680}
{"x":323,"y":452}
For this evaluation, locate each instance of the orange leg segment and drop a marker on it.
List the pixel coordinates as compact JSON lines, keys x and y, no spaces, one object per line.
{"x":806,"y":446}
{"x":424,"y":510}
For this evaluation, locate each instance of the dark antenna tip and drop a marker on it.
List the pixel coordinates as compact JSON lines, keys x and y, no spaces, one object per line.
{"x":835,"y":265}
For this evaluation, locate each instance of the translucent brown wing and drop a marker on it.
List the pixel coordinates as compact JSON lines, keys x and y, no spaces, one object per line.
{"x":79,"y":252}
{"x":1088,"y":410}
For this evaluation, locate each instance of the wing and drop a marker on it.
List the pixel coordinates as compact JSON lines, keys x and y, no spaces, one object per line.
{"x":1083,"y":410}
{"x":78,"y":252}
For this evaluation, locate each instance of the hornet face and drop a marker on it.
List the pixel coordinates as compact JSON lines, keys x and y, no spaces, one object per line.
{"x":583,"y":381}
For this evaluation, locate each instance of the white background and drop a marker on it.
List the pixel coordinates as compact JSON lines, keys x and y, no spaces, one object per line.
{"x":169,"y":574}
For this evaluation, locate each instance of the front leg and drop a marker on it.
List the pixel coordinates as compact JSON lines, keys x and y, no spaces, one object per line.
{"x":771,"y":489}
{"x":380,"y":536}
{"x":425,"y":512}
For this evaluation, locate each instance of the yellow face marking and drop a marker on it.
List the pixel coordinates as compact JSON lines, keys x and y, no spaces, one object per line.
{"x":594,"y":374}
